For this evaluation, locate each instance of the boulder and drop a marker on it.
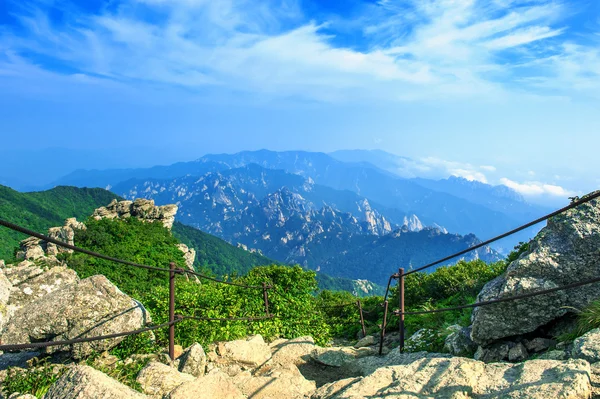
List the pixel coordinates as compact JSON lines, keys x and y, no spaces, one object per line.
{"x":517,"y":353}
{"x":84,"y":382}
{"x":539,"y":344}
{"x":251,"y":352}
{"x":587,"y":346}
{"x":564,"y":252}
{"x":215,"y":385}
{"x":467,"y":378}
{"x":494,"y":353}
{"x":369,"y":340}
{"x":65,"y":234}
{"x":41,"y":285}
{"x":142,"y":209}
{"x":285,"y":382}
{"x":193,"y":361}
{"x":339,"y":356}
{"x":292,"y":351}
{"x":31,"y":249}
{"x":88,"y":308}
{"x":459,"y":342}
{"x":157,"y":379}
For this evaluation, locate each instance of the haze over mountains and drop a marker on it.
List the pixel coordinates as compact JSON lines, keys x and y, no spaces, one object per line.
{"x":348,"y":213}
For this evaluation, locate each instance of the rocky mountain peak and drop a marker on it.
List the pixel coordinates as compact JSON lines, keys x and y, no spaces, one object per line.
{"x":143,"y":209}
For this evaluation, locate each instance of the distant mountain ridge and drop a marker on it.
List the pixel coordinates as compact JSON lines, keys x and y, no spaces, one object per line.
{"x":294,"y":220}
{"x":445,"y":208}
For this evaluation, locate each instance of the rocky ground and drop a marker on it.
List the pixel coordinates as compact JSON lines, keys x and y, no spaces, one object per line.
{"x":297,"y":368}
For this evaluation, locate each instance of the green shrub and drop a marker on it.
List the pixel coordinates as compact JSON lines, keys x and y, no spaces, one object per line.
{"x":587,"y":319}
{"x":291,"y":301}
{"x":132,"y":240}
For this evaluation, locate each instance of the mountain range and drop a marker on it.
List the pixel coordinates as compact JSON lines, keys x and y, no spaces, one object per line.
{"x":348,"y":213}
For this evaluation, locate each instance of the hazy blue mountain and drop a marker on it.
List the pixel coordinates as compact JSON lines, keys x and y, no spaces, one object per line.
{"x":432,"y":207}
{"x":110,"y":177}
{"x":293,"y":220}
{"x":483,"y":210}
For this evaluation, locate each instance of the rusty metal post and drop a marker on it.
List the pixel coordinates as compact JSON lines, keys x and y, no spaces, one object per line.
{"x":172,"y":311}
{"x":362,"y":319}
{"x":266,"y":297}
{"x":383,"y":325}
{"x":401,"y":300}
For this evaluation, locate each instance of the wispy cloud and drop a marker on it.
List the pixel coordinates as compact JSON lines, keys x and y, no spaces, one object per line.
{"x":536,"y":189}
{"x":411,"y":49}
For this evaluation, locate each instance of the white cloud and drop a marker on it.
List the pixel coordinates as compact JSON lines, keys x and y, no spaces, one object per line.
{"x":269,"y":48}
{"x":488,"y":168}
{"x":531,"y":189}
{"x":452,"y":168}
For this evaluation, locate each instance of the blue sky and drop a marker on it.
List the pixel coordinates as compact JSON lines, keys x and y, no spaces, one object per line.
{"x":503,"y":91}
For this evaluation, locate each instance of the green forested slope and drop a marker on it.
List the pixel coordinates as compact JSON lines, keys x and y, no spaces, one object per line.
{"x":41,"y":210}
{"x":216,"y":255}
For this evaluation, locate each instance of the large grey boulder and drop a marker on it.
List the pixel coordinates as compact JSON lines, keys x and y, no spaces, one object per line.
{"x":564,"y":252}
{"x":88,"y":308}
{"x":84,"y":382}
{"x":339,"y":356}
{"x":454,"y":378}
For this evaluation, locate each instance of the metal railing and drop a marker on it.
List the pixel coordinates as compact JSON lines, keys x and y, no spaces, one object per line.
{"x":402,"y":274}
{"x":173,"y":271}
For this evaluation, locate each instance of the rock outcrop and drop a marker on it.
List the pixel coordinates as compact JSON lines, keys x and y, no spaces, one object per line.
{"x":84,"y":382}
{"x":33,"y":248}
{"x":87,"y":308}
{"x":564,"y":252}
{"x":454,"y":378}
{"x":142,"y":209}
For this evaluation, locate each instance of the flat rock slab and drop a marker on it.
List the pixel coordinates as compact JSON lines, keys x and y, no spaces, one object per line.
{"x":84,"y":382}
{"x":215,"y":385}
{"x":292,"y":351}
{"x":337,"y":357}
{"x":285,"y":383}
{"x":453,"y":378}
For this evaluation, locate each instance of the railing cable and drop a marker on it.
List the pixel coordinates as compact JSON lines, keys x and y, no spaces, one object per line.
{"x":508,"y":233}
